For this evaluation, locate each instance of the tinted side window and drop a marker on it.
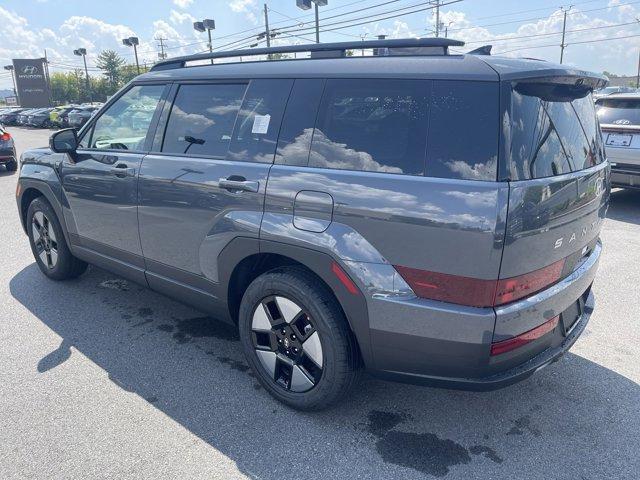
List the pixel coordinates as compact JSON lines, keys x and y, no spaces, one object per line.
{"x":125,"y":124}
{"x":300,"y":118}
{"x":256,"y":132}
{"x":463,"y":130}
{"x":202,"y":119}
{"x":372,"y":125}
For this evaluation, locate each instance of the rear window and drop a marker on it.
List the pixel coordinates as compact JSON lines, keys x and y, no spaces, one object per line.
{"x":554,"y":130}
{"x":618,"y":111}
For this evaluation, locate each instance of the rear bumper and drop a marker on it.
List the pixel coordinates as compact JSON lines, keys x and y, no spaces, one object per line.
{"x":504,"y":378}
{"x":434,"y":343}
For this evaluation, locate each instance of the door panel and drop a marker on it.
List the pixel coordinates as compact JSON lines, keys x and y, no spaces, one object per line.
{"x":187,"y":218}
{"x":100,"y":181}
{"x":101,"y":189}
{"x":207,"y":185}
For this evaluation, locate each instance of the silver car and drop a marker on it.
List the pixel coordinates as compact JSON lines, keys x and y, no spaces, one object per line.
{"x":619,"y":117}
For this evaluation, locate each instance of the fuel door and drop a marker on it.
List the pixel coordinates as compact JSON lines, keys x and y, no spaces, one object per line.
{"x":312,"y":211}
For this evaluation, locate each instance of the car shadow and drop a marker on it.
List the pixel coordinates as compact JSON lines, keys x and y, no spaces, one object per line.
{"x":574,"y":419}
{"x":624,"y":205}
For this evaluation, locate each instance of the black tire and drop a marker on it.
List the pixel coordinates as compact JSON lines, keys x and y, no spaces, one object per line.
{"x":66,"y":266}
{"x":11,"y":166}
{"x":339,"y":353}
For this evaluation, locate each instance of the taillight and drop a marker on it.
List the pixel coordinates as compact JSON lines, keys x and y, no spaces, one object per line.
{"x":505,"y":346}
{"x":5,"y":137}
{"x":515,"y":288}
{"x":474,"y":292}
{"x":477,"y":292}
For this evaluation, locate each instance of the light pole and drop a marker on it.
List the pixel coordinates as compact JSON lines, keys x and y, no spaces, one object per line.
{"x":13,"y":77}
{"x":133,"y":42}
{"x":206,"y":25}
{"x":306,"y":5}
{"x":82,"y":52}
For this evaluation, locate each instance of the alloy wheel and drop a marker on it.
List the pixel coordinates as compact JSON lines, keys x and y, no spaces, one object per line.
{"x":287,"y":343}
{"x":44,"y":239}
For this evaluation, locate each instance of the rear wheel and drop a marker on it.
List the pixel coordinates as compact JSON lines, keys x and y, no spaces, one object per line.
{"x":296,"y":339}
{"x":48,"y":244}
{"x":11,"y":166}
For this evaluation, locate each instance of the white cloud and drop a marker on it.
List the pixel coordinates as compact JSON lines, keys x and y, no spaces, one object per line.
{"x":247,"y":7}
{"x":182,"y":3}
{"x":179,"y":18}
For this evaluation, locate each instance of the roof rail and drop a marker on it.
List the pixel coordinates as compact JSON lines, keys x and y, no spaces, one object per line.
{"x":317,"y":50}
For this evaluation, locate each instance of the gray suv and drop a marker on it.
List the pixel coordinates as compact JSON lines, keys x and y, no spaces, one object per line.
{"x":431,"y":217}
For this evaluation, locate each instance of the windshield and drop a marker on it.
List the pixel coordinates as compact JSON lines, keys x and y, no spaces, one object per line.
{"x":619,"y":111}
{"x":554,"y":130}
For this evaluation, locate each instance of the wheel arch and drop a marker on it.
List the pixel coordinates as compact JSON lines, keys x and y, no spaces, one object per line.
{"x":238,"y":271}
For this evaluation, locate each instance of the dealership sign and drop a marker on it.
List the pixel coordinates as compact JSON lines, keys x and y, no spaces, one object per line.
{"x":31,"y":82}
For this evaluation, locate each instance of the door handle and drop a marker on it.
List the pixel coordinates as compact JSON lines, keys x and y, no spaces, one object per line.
{"x":122,"y":170}
{"x":235,"y":183}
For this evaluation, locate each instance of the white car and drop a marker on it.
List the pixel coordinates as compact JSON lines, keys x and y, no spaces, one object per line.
{"x":619,"y":117}
{"x":605,"y":92}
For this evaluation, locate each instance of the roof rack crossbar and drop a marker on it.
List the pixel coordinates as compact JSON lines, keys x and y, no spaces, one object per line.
{"x":180,"y":62}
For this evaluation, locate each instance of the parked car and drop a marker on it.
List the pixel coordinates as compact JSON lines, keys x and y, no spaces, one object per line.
{"x":11,"y":118}
{"x":40,"y":118}
{"x":80,"y":116}
{"x":8,"y":156}
{"x":54,"y":115}
{"x":604,"y":92}
{"x":432,"y":218}
{"x":619,"y":117}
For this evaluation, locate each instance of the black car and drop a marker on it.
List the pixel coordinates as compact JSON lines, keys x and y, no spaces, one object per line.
{"x":11,"y":117}
{"x":7,"y":151}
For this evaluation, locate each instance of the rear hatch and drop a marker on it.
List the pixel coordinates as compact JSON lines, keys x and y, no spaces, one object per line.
{"x":620,"y":122}
{"x":559,"y":178}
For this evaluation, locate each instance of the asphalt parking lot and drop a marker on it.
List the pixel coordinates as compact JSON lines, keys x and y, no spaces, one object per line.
{"x":100,"y":378}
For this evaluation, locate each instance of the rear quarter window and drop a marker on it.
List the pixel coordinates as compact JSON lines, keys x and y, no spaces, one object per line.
{"x":463,"y":130}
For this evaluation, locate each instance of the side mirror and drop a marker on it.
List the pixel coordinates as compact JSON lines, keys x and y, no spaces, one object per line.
{"x":64,"y":141}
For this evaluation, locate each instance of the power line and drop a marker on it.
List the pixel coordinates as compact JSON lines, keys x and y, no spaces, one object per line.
{"x":540,"y":18}
{"x":578,"y":30}
{"x":525,"y":47}
{"x":324,"y":29}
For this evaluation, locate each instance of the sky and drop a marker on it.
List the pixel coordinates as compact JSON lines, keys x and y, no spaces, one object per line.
{"x":602,"y":35}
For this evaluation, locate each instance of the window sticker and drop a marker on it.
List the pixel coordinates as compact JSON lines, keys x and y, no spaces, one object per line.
{"x":261,"y":124}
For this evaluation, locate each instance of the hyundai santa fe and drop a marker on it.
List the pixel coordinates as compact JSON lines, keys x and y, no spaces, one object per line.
{"x":431,"y":217}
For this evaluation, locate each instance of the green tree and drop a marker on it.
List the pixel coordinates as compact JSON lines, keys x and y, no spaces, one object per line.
{"x":112,"y":64}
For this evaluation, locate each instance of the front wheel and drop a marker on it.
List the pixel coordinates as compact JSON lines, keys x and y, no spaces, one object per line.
{"x":48,"y":244}
{"x":297,"y":340}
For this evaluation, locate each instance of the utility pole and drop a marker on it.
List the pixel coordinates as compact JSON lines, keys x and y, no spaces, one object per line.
{"x":161,"y":55}
{"x":564,"y":28}
{"x":638,"y":76}
{"x":437,"y":7}
{"x":317,"y":23}
{"x":267,"y":32}
{"x":266,"y":26}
